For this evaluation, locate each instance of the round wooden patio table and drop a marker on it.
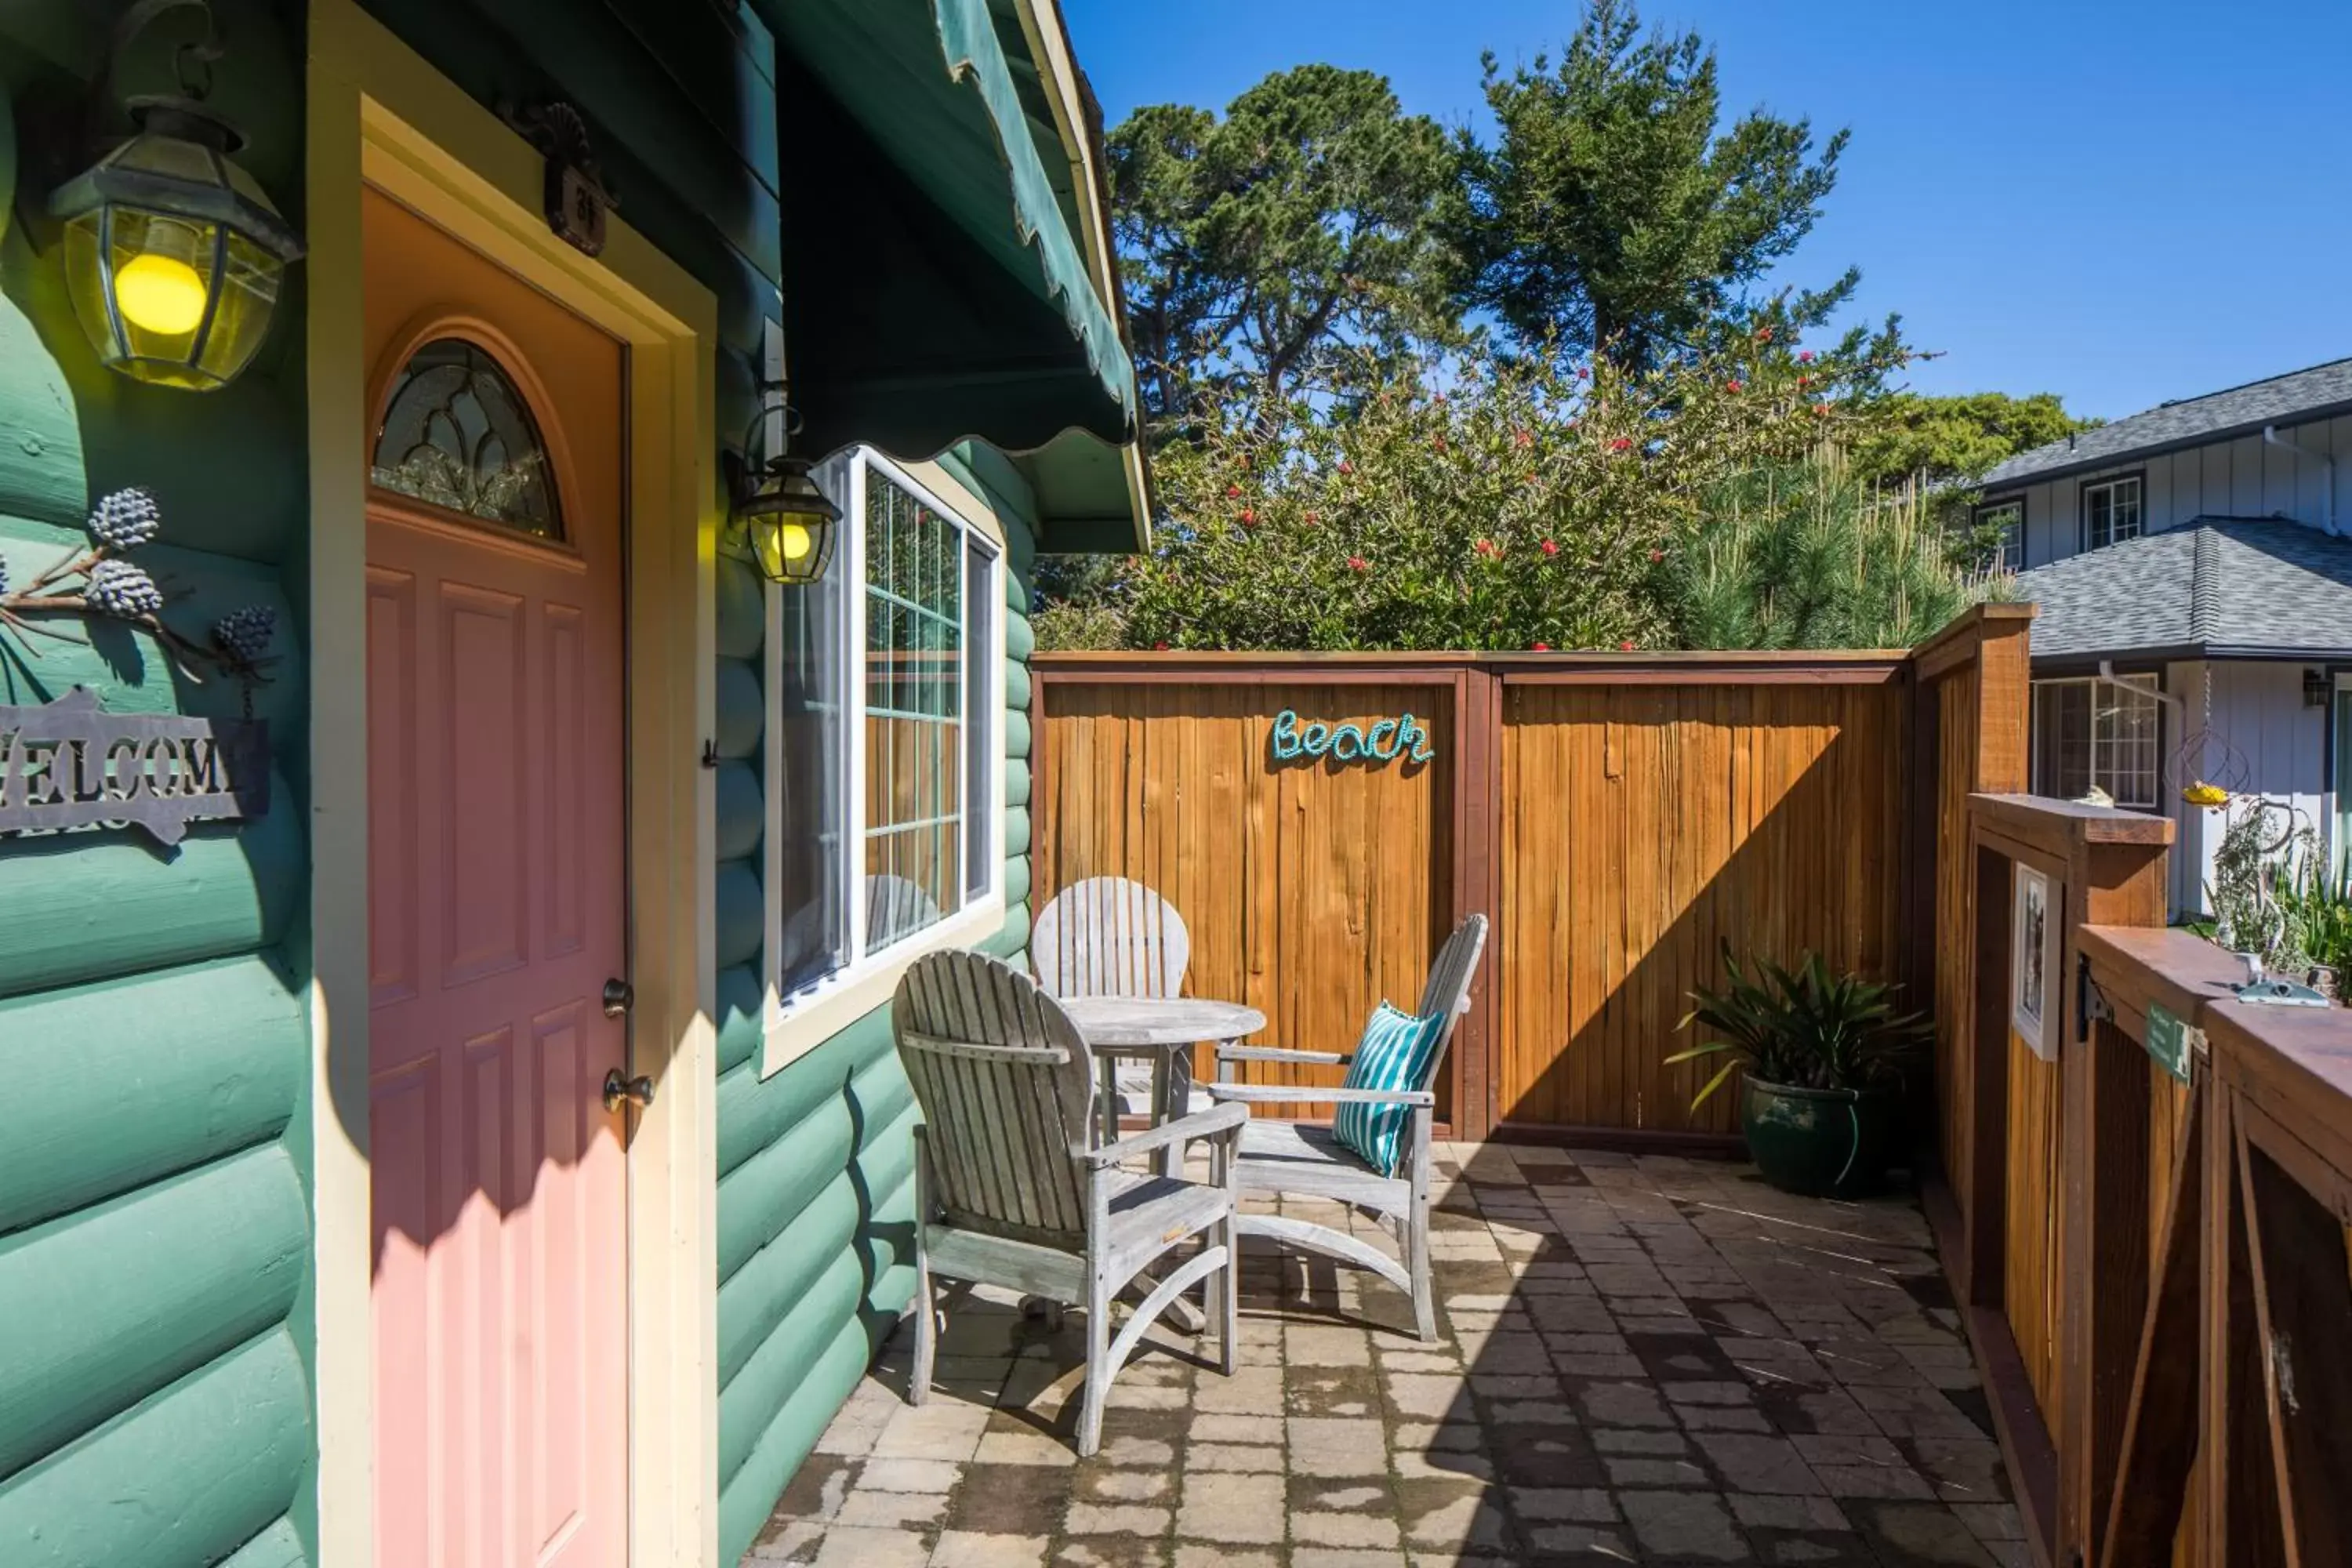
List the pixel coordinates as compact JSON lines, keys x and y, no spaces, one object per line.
{"x":1163,"y":1030}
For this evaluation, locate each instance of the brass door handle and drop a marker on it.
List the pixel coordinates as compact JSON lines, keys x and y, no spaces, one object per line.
{"x":637,"y":1091}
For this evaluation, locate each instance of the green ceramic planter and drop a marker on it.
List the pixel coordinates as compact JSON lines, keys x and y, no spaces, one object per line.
{"x":1821,"y":1142}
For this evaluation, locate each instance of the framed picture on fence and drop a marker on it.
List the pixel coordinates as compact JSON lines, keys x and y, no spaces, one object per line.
{"x":2033,"y":980}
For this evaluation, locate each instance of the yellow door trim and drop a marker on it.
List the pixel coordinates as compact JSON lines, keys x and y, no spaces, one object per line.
{"x":379,"y":114}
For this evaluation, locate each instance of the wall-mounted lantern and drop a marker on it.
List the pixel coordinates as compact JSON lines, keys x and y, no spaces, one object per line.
{"x":2316,"y":688}
{"x":787,"y":520}
{"x":175,"y":257}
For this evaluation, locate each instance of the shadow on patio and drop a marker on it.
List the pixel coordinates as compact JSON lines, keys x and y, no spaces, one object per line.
{"x":1641,"y":1359}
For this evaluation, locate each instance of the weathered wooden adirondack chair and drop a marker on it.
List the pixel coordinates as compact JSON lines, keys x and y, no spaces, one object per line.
{"x":894,"y":907}
{"x":1012,"y":1188}
{"x":1109,"y":936}
{"x":1284,"y":1158}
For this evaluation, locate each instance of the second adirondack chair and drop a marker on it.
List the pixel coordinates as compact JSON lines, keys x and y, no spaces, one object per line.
{"x":1289,"y":1158}
{"x":1112,"y":936}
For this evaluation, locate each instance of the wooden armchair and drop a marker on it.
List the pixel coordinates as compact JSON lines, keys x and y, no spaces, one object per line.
{"x":1111,"y":936}
{"x":1289,"y":1158}
{"x":1012,"y":1188}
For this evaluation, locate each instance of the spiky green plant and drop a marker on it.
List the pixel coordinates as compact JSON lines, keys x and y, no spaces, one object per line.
{"x":1806,"y":555}
{"x":1808,"y":1028}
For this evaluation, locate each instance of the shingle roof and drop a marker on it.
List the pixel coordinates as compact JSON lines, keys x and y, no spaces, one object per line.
{"x":2212,"y":586}
{"x":2281,"y":400}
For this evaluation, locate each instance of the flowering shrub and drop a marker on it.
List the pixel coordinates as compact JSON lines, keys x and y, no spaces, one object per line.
{"x":1488,"y":504}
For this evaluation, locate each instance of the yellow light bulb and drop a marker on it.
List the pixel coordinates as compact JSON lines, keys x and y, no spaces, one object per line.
{"x":160,"y":294}
{"x":794,"y":539}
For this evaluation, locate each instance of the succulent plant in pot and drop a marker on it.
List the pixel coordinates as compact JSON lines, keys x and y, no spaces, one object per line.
{"x":1825,"y":1054}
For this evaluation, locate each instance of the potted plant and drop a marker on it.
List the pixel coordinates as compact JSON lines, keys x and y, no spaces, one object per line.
{"x":1824,"y":1055}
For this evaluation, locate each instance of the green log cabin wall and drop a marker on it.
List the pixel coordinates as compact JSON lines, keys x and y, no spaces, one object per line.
{"x":815,"y":1162}
{"x":155,"y":1216}
{"x":154,"y":1229}
{"x":154,"y":1210}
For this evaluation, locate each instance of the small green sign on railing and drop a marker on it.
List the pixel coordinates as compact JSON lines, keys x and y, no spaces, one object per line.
{"x":2170,"y":1040}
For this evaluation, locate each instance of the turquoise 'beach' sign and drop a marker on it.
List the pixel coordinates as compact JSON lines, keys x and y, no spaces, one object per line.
{"x":1386,"y":741}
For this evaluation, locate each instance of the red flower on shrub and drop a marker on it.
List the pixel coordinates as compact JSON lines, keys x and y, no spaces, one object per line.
{"x":1622,"y":443}
{"x":1582,"y":374}
{"x":1437,"y":442}
{"x":1656,"y":556}
{"x":1763,"y":334}
{"x":1346,"y":466}
{"x":1626,"y":646}
{"x":1308,"y":519}
{"x":1731,"y":386}
{"x":1549,"y":548}
{"x":1358,"y":563}
{"x":1489,"y":548}
{"x":1232,"y":491}
{"x":1540,"y":647}
{"x":1805,"y":358}
{"x":1161,"y":646}
{"x":1822,"y":408}
{"x":1521,"y":437}
{"x":1249,"y":517}
{"x":1804,"y":381}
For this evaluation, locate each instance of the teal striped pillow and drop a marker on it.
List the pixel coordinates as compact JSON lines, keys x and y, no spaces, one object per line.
{"x":1393,"y":1053}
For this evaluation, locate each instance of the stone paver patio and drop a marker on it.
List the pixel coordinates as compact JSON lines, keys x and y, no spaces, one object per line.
{"x":1642,"y":1360}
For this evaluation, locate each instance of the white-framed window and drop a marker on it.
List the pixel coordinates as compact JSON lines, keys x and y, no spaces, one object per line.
{"x":2091,"y":733}
{"x":2342,"y":773}
{"x":885,"y":758}
{"x":2004,"y":524}
{"x":2111,"y":512}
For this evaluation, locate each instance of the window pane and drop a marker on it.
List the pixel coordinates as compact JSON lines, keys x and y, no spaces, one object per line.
{"x":2343,"y":776}
{"x":2126,"y":522}
{"x":810,"y":788}
{"x":2006,"y":523}
{"x":984,"y":694}
{"x":2061,"y":737}
{"x":914,"y":741}
{"x":2130,"y":727}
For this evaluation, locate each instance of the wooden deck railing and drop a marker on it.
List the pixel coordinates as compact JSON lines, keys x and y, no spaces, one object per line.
{"x":2147,"y":1233}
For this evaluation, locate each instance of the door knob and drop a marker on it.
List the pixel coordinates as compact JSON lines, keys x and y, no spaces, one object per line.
{"x":619,"y":997}
{"x":637,"y":1091}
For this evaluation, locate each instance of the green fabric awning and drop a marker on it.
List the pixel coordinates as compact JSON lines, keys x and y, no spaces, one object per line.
{"x":935,"y":288}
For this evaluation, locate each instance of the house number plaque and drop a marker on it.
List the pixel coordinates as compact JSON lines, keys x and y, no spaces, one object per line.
{"x":69,"y":763}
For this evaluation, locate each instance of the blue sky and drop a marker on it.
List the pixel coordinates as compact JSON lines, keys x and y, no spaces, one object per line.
{"x":2118,"y":202}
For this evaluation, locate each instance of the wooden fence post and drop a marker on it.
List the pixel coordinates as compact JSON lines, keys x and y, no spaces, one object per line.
{"x":2104,"y":1243}
{"x":1971,"y":708}
{"x":1477,"y":835}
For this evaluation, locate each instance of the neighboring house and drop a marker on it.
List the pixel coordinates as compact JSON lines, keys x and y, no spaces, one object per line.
{"x":2196,"y":595}
{"x":335,"y":1226}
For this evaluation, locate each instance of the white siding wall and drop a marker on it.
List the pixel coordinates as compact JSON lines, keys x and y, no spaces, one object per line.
{"x":2244,"y":478}
{"x":2258,"y":710}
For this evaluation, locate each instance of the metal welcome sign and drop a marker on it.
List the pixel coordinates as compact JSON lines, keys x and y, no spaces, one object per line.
{"x":1385,"y":742}
{"x":68,"y":763}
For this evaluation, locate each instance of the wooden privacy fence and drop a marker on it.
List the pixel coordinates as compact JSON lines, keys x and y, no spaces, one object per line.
{"x":1616,"y":817}
{"x":2145,"y":1219}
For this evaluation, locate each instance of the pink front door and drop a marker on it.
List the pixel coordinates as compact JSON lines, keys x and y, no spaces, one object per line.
{"x":496,"y":898}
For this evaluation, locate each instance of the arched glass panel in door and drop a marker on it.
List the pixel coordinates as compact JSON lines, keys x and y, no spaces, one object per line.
{"x":457,"y":435}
